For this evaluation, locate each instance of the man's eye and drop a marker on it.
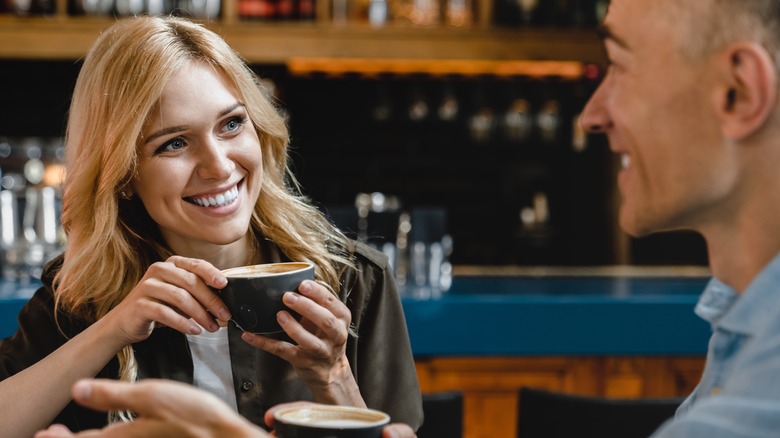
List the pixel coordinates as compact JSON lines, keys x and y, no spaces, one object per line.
{"x":171,"y":145}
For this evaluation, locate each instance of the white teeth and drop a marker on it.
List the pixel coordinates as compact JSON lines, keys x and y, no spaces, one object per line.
{"x":625,"y":161}
{"x":218,"y":200}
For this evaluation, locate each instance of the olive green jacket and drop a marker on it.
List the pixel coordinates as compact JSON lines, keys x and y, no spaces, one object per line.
{"x":380,"y":356}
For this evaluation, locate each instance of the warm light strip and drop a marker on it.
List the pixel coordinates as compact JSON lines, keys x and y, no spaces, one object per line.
{"x":436,"y":67}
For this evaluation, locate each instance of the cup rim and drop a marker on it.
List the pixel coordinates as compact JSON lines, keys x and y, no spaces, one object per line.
{"x":383,"y":419}
{"x":303,"y":266}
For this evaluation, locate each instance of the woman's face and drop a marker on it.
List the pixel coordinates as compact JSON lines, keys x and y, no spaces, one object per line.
{"x":199,"y":163}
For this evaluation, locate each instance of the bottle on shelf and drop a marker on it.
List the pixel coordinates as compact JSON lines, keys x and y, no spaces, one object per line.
{"x":549,"y":13}
{"x":377,"y":13}
{"x":32,"y":7}
{"x":458,"y":13}
{"x":258,"y":10}
{"x":305,"y":10}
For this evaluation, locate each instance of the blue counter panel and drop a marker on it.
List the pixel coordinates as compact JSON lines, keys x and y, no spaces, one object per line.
{"x":511,"y":316}
{"x":13,"y":296}
{"x":9,"y":308}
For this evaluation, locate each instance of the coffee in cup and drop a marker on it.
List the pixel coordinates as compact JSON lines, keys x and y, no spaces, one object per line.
{"x":254,"y":293}
{"x":329,"y":421}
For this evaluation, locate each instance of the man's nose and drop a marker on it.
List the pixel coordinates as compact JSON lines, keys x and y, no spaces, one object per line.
{"x":595,"y":116}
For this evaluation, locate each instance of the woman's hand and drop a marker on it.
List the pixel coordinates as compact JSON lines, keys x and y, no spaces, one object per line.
{"x":321,"y":336}
{"x":173,"y":293}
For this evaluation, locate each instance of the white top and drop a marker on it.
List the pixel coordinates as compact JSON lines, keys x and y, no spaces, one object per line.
{"x":211,"y":364}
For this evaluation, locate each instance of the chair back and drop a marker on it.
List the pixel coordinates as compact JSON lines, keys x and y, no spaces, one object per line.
{"x":443,"y":415}
{"x":555,"y":415}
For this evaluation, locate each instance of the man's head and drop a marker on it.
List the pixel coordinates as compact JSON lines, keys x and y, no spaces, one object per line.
{"x":689,"y":87}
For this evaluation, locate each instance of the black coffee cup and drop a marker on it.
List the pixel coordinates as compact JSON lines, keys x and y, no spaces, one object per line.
{"x":329,"y":421}
{"x":254,"y":293}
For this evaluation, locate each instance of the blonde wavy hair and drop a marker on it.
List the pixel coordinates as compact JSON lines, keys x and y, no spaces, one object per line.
{"x":112,"y":241}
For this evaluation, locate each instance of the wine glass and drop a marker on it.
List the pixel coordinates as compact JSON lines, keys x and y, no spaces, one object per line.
{"x":383,"y":106}
{"x":449,"y":105}
{"x":418,"y":108}
{"x":527,"y":10}
{"x":518,"y":121}
{"x":549,"y":120}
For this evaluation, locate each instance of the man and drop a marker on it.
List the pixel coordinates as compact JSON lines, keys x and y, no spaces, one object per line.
{"x":690,"y":103}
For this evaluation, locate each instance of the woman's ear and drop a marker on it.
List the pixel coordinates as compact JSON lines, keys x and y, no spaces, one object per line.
{"x":126,"y":192}
{"x":747,"y":92}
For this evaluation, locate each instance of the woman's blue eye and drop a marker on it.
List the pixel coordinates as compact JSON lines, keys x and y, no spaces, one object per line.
{"x":171,"y":145}
{"x":234,"y":123}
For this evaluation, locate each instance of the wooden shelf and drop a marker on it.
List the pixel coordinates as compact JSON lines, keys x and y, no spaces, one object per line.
{"x":61,"y":37}
{"x":433,"y":67}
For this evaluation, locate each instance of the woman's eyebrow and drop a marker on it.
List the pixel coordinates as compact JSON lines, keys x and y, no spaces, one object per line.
{"x":172,"y":129}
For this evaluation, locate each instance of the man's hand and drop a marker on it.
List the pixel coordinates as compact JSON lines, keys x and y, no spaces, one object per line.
{"x":164,"y":409}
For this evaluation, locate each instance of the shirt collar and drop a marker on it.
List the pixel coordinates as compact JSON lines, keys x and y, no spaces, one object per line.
{"x":715,"y":301}
{"x":723,"y":307}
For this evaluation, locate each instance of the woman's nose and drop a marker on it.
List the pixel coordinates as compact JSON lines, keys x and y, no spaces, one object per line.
{"x":214,"y":160}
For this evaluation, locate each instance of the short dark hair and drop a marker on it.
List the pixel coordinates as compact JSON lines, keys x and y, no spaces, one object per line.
{"x":714,"y":24}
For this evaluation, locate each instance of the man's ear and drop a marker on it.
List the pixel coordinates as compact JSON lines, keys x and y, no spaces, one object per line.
{"x":747,"y":93}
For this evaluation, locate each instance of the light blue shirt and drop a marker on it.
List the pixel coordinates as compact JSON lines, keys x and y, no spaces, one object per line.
{"x":739,"y":392}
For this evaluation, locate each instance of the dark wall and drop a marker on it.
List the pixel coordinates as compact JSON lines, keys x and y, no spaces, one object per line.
{"x":35,"y":97}
{"x":341,"y":145}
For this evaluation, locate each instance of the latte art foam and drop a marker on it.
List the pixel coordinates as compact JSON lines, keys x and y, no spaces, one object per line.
{"x":332,"y":417}
{"x":264,"y":270}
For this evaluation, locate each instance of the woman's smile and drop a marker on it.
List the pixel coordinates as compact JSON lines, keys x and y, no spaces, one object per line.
{"x":218,"y":199}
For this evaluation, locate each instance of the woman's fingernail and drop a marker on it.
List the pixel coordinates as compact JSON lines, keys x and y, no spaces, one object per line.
{"x":220,"y":281}
{"x":82,"y":390}
{"x":224,"y":314}
{"x":290,"y":298}
{"x":305,"y":286}
{"x":282,"y":317}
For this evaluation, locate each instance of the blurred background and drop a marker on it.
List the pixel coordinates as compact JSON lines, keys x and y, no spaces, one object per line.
{"x":456,"y":116}
{"x":445,"y":134}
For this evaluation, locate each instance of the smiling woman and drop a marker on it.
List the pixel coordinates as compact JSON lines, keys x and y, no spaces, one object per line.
{"x":177,"y":169}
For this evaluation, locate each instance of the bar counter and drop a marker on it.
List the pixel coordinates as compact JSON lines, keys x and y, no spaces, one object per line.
{"x":13,"y":296}
{"x":558,"y":315}
{"x":615,"y":332}
{"x":599,"y":333}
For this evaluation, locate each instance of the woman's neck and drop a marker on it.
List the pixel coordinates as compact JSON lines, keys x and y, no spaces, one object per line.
{"x":242,"y":252}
